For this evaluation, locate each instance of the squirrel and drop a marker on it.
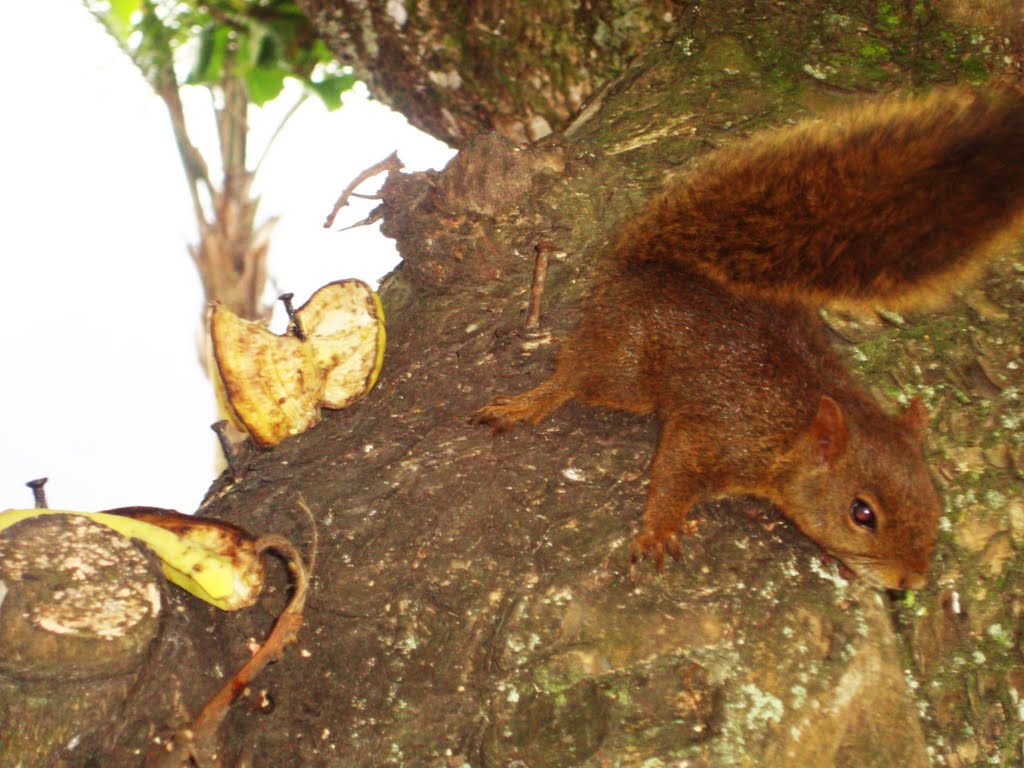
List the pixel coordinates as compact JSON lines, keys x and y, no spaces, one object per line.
{"x":706,"y":314}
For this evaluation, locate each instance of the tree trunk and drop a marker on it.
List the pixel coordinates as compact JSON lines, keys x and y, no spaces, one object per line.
{"x":521,"y":69}
{"x":473,"y":601}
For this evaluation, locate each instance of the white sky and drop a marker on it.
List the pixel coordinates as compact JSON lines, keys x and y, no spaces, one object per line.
{"x":100,"y":385}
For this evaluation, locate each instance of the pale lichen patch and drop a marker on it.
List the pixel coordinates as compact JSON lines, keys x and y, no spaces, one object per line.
{"x":396,"y":10}
{"x":101,"y":585}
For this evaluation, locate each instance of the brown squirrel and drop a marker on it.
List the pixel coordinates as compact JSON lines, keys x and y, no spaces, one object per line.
{"x":706,"y":315}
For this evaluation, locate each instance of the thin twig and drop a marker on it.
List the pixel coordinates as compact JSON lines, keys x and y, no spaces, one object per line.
{"x":284,"y":633}
{"x":158,"y":71}
{"x":373,"y":216}
{"x":540,"y":273}
{"x":314,"y":546}
{"x":196,"y":170}
{"x":198,"y":743}
{"x":277,"y":131}
{"x":389,"y":163}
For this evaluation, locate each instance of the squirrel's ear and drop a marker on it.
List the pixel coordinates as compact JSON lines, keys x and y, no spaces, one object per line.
{"x":915,"y":419}
{"x":828,"y":432}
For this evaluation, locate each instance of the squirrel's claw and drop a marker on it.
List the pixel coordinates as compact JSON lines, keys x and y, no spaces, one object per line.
{"x":499,"y":415}
{"x":504,"y":412}
{"x":654,"y":545}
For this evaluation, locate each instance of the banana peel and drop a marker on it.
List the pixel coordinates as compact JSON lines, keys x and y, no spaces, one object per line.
{"x":274,"y":386}
{"x":215,"y":561}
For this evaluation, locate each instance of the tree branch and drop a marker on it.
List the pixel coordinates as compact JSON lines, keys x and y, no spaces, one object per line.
{"x":277,"y":131}
{"x":389,"y":163}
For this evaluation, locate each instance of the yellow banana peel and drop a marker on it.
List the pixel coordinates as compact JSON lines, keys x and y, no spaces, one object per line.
{"x":274,"y":386}
{"x":215,"y":561}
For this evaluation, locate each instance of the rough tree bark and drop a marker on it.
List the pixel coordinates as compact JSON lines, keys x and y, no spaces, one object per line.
{"x":521,"y":69}
{"x":473,"y":603}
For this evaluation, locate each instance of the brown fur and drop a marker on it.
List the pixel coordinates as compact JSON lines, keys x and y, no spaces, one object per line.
{"x":887,"y":203}
{"x":706,"y":317}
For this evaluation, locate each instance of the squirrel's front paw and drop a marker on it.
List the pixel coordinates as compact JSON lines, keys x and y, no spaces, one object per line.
{"x":501,"y":415}
{"x":505,"y":411}
{"x":654,"y":545}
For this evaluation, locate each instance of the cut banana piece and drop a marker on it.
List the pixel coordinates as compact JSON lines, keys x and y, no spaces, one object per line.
{"x":273,"y":386}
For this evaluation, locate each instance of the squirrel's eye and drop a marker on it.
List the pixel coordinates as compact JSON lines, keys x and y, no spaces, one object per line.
{"x":863,"y":515}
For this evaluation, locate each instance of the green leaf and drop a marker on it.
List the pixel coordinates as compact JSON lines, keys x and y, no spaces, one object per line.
{"x":286,"y":28}
{"x":154,"y":52}
{"x":321,"y":53}
{"x":268,"y":56}
{"x":264,"y":84}
{"x":119,"y":18}
{"x":330,"y":88}
{"x":209,"y":64}
{"x":250,"y":43}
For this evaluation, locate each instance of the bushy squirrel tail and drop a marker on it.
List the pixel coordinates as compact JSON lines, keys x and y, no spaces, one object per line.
{"x":888,"y":203}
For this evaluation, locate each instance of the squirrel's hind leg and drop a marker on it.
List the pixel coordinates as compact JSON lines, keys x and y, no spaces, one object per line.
{"x":506,"y":411}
